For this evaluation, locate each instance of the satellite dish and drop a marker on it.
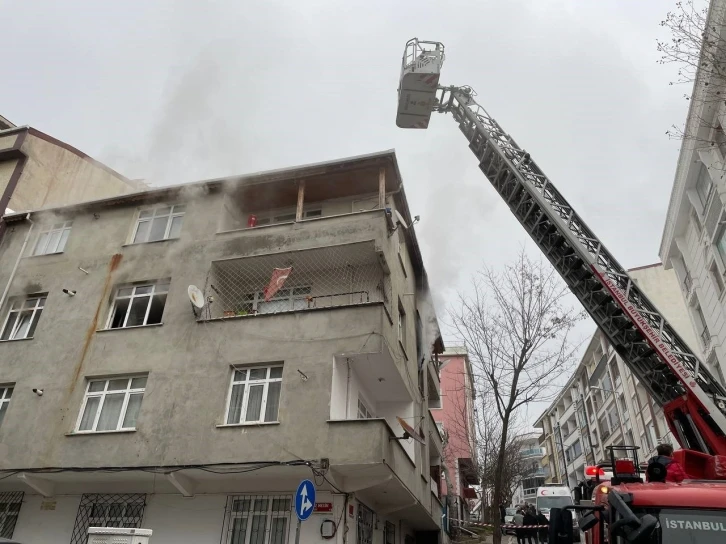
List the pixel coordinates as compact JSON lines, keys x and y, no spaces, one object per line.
{"x":409,"y":432}
{"x":401,"y":220}
{"x":196,"y":296}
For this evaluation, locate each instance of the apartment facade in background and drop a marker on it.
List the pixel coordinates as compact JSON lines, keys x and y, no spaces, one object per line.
{"x":455,"y":421}
{"x":535,"y":473}
{"x":214,"y":344}
{"x":603,"y":404}
{"x":694,"y":235}
{"x":39,"y":171}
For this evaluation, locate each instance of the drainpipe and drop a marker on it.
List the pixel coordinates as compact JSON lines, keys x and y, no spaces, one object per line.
{"x":17,"y":262}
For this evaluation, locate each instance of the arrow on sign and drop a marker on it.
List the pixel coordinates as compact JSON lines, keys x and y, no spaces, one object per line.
{"x":305,"y":504}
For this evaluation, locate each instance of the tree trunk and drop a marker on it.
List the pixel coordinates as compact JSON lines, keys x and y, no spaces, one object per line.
{"x":498,"y":477}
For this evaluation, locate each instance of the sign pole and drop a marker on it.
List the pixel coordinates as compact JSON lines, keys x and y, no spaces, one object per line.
{"x":297,"y":532}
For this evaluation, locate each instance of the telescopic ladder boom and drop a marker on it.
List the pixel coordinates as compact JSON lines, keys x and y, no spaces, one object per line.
{"x":694,"y":402}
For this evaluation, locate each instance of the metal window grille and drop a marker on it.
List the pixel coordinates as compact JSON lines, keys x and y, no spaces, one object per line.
{"x":112,"y":510}
{"x":365,"y":524}
{"x":10,"y":504}
{"x":257,"y":519}
{"x":341,"y":275}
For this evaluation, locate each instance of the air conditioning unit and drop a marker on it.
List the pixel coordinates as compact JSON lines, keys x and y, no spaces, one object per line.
{"x":117,"y":535}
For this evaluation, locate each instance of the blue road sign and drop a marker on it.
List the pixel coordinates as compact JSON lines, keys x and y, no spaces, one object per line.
{"x":305,"y":500}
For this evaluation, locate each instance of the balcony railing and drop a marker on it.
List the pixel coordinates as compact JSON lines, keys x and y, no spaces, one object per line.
{"x":325,"y":277}
{"x":531,"y":451}
{"x":706,"y":338}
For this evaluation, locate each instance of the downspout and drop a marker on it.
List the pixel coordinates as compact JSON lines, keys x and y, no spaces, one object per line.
{"x":17,"y":262}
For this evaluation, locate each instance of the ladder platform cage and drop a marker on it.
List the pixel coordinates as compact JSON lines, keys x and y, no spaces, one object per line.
{"x":420,"y":70}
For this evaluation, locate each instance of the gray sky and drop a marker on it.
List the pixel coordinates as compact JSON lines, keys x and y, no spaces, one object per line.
{"x":174,"y":91}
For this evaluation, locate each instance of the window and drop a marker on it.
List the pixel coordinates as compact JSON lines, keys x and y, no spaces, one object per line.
{"x":607,"y":386}
{"x":138,"y":305}
{"x":696,"y":222}
{"x":23,"y":318}
{"x":701,"y":326}
{"x":402,"y":337}
{"x":651,"y":434}
{"x":624,"y":408}
{"x":721,"y":245}
{"x":401,"y":243}
{"x":613,"y":417}
{"x":716,"y":279}
{"x":258,"y":519}
{"x":285,"y":300}
{"x":161,"y":223}
{"x":112,"y":510}
{"x":254,"y":396}
{"x":704,"y":186}
{"x":630,"y":440}
{"x":604,"y":429}
{"x":54,"y":239}
{"x":615,"y":372}
{"x":285,"y":216}
{"x":390,"y":537}
{"x":10,"y":503}
{"x":6,"y":392}
{"x":111,"y":405}
{"x":363,"y":411}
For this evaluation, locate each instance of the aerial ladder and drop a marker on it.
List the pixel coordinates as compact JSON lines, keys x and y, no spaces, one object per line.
{"x":693,"y":401}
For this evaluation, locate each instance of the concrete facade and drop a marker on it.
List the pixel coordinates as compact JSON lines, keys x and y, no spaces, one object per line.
{"x":39,"y":171}
{"x":455,"y":421}
{"x":694,"y":235}
{"x":602,"y":404}
{"x":371,"y":345}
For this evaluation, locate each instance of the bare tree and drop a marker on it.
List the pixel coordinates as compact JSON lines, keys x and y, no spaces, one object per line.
{"x":515,"y":326}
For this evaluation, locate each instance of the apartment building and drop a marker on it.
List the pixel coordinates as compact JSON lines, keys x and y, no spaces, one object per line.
{"x":191,"y":353}
{"x":694,"y":235}
{"x":455,"y":421}
{"x":39,"y":171}
{"x":535,"y":474}
{"x":603,"y":404}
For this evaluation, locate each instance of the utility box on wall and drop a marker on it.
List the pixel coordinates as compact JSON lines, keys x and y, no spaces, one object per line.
{"x":117,"y":535}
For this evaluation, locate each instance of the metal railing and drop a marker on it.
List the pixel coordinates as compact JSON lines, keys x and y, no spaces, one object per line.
{"x":325,"y":277}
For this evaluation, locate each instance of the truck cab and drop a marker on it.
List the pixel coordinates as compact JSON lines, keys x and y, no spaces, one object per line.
{"x":626,"y":509}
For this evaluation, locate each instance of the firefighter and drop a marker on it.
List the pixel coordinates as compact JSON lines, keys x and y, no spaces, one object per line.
{"x":663,"y":468}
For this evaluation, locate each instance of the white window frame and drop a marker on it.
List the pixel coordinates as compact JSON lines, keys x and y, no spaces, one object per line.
{"x":248,"y":383}
{"x":269,"y":513}
{"x":6,"y":393}
{"x":160,"y":287}
{"x":43,"y":245}
{"x":175,"y":210}
{"x":703,"y":174}
{"x":402,"y":323}
{"x":17,"y":308}
{"x":128,"y":391}
{"x":287,"y":293}
{"x":285,"y":215}
{"x":364,"y":412}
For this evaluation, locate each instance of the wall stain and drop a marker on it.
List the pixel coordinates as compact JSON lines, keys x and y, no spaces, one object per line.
{"x":112,"y":266}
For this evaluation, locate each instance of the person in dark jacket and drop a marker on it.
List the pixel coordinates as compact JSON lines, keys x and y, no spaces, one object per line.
{"x":530,"y":518}
{"x":502,"y":512}
{"x":542,"y":520}
{"x":663,"y":461}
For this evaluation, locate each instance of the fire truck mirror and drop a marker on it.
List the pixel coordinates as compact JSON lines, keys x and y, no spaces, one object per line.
{"x":560,"y":526}
{"x":587,"y":522}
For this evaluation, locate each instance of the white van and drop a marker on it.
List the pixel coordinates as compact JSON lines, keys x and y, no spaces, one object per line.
{"x":552,"y":497}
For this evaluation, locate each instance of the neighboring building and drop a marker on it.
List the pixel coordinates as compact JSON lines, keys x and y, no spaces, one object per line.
{"x":603,"y":404}
{"x":535,"y":474}
{"x":39,"y":171}
{"x":316,"y":334}
{"x":694,"y":235}
{"x":455,"y":421}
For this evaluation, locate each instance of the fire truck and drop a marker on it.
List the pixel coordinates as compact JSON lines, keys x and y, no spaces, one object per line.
{"x":624,"y":508}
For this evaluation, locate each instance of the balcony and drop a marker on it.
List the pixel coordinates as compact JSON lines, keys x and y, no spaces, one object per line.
{"x":532,"y":452}
{"x":293,"y":281}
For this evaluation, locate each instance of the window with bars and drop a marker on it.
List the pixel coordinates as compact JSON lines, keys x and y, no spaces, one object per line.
{"x":6,"y":392}
{"x":162,"y":223}
{"x":111,"y":405}
{"x":112,"y":510}
{"x":254,"y":395}
{"x":258,"y":519}
{"x":23,"y":317}
{"x":10,"y":503}
{"x":138,"y":305}
{"x":390,"y":537}
{"x":53,"y":240}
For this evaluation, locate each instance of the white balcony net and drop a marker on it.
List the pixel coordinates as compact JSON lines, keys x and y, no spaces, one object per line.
{"x":341,"y":275}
